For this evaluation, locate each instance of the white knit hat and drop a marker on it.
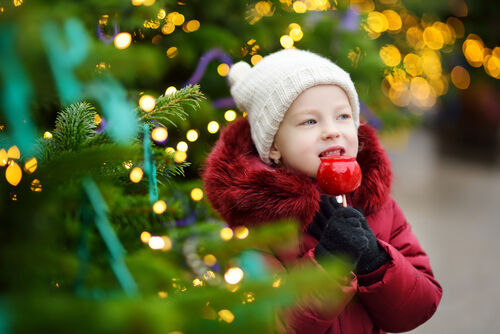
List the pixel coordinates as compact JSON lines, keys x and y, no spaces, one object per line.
{"x":266,"y":91}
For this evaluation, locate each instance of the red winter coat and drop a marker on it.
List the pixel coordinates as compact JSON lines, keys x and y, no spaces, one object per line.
{"x":397,"y":297}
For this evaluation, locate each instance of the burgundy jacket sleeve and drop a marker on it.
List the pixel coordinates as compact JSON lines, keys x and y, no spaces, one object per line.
{"x":407,"y":293}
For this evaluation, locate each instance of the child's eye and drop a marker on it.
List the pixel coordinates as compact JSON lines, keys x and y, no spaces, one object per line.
{"x":309,"y":122}
{"x":345,"y":116}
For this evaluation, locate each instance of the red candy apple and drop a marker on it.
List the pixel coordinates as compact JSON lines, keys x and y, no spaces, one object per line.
{"x":338,"y":175}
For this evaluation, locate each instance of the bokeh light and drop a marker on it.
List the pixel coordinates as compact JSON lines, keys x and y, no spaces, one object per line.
{"x":230,"y":115}
{"x":122,"y":40}
{"x":159,"y":207}
{"x":182,"y":146}
{"x":180,"y":156}
{"x":30,"y":165}
{"x":136,"y":174}
{"x":210,"y":260}
{"x":233,"y":275}
{"x":241,"y":232}
{"x":147,"y":103}
{"x":145,"y":236}
{"x":286,"y":41}
{"x":460,"y":77}
{"x":13,"y":173}
{"x":213,"y":127}
{"x":377,"y":22}
{"x":390,"y":55}
{"x":226,"y":316}
{"x":223,"y":70}
{"x":192,"y":135}
{"x":170,"y":91}
{"x":226,"y":233}
{"x":196,"y":194}
{"x":159,"y":134}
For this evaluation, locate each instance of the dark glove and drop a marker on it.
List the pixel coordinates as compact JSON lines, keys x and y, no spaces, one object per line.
{"x":345,"y":232}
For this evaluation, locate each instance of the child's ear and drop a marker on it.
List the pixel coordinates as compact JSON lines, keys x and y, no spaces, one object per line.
{"x":274,"y":153}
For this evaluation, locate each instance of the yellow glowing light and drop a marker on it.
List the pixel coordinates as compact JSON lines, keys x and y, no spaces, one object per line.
{"x":420,"y":88}
{"x":226,"y":233}
{"x":213,"y":127}
{"x":413,"y":64}
{"x":473,"y":50}
{"x":292,"y":26}
{"x":180,"y":156}
{"x":159,"y":134}
{"x":209,"y":260}
{"x":136,"y":174}
{"x":230,"y":115}
{"x":241,"y":232}
{"x":492,"y":65}
{"x":145,"y":236}
{"x":198,"y":282}
{"x":433,"y":38}
{"x":3,"y":157}
{"x":390,"y":55}
{"x":168,"y":28}
{"x":137,"y":2}
{"x":182,"y":146}
{"x":172,"y":52}
{"x":193,"y":25}
{"x":393,"y":20}
{"x":147,"y":103}
{"x":263,"y":8}
{"x":223,"y":70}
{"x":457,"y":25}
{"x":286,"y":41}
{"x":208,"y":275}
{"x":162,"y":294}
{"x":460,"y":77}
{"x":255,"y":59}
{"x":30,"y":165}
{"x":431,"y":64}
{"x":233,"y":275}
{"x":170,"y":91}
{"x":156,"y":242}
{"x":161,"y":14}
{"x":299,"y":7}
{"x":36,"y":186}
{"x":296,"y":34}
{"x":123,"y":40}
{"x":13,"y":153}
{"x":377,"y":22}
{"x":249,"y":297}
{"x":196,"y":194}
{"x":178,"y":19}
{"x":127,"y":164}
{"x":399,"y":93}
{"x":446,"y":31}
{"x":192,"y":135}
{"x":47,"y":135}
{"x":18,"y":3}
{"x":414,"y":37}
{"x":277,"y":283}
{"x":159,"y":207}
{"x":170,"y":150}
{"x":13,"y":174}
{"x":226,"y":316}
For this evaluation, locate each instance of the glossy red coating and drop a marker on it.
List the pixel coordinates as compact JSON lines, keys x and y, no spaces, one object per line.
{"x":339,"y":175}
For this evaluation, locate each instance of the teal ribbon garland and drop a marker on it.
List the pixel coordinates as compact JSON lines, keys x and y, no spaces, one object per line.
{"x":96,"y":211}
{"x":149,"y":166}
{"x":16,"y":94}
{"x":65,"y":53}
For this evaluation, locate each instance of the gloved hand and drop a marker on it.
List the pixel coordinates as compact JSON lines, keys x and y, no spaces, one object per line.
{"x":345,"y":232}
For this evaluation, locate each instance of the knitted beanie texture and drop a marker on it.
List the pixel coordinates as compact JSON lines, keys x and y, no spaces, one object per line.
{"x":267,"y":90}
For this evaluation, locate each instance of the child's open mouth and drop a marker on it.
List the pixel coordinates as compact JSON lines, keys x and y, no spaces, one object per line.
{"x":334,"y":151}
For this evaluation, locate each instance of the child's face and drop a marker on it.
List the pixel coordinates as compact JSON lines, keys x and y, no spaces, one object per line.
{"x":318,"y":123}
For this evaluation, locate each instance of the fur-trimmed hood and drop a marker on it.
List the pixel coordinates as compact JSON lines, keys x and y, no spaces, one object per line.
{"x":246,"y":191}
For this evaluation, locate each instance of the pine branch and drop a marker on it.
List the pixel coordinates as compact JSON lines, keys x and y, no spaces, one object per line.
{"x":75,"y":126}
{"x":173,"y":106}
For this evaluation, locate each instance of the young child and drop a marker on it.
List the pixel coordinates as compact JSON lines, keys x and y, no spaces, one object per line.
{"x":300,"y":108}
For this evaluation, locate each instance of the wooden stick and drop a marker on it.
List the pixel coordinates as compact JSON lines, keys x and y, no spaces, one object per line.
{"x":344,"y":201}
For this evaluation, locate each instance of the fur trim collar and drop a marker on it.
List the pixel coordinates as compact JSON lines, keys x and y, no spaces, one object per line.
{"x":246,"y":191}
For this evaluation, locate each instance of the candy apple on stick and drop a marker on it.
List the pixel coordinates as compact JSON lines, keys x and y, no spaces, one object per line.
{"x":339,"y":175}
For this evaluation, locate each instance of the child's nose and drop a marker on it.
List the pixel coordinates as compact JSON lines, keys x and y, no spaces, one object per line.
{"x":329,"y":131}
